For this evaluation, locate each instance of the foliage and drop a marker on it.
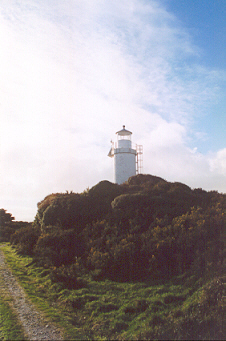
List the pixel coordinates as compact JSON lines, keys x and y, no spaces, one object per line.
{"x":73,"y":210}
{"x":58,"y":247}
{"x":193,"y":241}
{"x":8,"y":227}
{"x":67,"y":275}
{"x":5,"y":217}
{"x":147,"y":230}
{"x":25,"y":239}
{"x":131,"y":311}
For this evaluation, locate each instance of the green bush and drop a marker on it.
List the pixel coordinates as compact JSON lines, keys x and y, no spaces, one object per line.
{"x":67,"y":275}
{"x":5,"y":233}
{"x":59,"y":247}
{"x":25,"y":239}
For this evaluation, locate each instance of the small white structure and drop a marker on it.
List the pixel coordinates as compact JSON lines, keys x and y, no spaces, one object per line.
{"x":127,"y":161}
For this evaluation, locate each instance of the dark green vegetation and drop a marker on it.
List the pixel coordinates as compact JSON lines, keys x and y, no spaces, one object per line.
{"x":8,"y":226}
{"x":142,"y":260}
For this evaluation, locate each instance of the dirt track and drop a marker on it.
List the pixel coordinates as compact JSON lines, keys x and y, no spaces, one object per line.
{"x":34,"y":324}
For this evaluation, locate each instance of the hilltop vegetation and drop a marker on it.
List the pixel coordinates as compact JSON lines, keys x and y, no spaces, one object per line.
{"x":145,"y":228}
{"x":145,"y":231}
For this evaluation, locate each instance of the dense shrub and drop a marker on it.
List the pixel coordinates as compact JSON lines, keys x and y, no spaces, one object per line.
{"x":5,"y":233}
{"x":147,"y":228}
{"x":8,"y":227}
{"x":5,"y":217}
{"x":73,"y":210}
{"x":67,"y":275}
{"x":59,"y":247}
{"x":144,"y":230}
{"x":144,"y":180}
{"x":25,"y":239}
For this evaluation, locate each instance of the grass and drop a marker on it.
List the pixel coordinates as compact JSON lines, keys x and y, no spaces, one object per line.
{"x":40,"y":290}
{"x":110,"y":310}
{"x":10,"y":328}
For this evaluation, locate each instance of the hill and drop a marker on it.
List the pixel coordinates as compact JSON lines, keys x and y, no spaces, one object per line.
{"x":146,"y":230}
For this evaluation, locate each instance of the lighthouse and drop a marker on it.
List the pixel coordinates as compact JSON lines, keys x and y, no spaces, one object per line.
{"x":127,"y":160}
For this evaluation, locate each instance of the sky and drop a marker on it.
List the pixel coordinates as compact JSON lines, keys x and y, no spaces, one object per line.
{"x":73,"y":72}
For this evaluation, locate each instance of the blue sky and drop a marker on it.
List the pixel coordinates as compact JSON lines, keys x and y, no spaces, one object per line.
{"x":73,"y":72}
{"x":205,"y":22}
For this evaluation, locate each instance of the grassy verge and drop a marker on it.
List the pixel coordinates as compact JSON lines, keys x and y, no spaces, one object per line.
{"x":109,"y":310}
{"x":10,"y":329}
{"x":39,"y":289}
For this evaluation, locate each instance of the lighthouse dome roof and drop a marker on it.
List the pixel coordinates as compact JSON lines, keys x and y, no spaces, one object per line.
{"x":123,"y":132}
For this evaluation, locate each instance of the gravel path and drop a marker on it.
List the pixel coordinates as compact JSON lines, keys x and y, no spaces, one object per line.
{"x":35,"y":326}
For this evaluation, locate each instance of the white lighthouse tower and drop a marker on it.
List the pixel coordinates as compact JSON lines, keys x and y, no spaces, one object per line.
{"x":127,"y":161}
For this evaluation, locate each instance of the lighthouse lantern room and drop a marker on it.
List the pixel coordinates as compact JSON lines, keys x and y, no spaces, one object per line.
{"x":126,"y":161}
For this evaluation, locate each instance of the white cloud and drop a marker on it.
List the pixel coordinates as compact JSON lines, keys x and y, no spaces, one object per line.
{"x":71,"y":73}
{"x":218,"y":162}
